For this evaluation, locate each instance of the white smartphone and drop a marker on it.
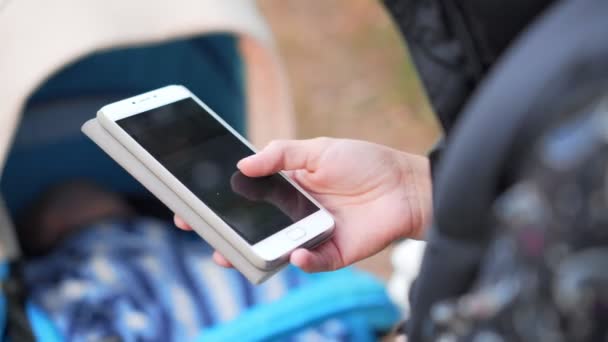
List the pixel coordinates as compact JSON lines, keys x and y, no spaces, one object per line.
{"x":194,"y":152}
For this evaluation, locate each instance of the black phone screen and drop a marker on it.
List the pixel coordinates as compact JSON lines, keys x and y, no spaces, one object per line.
{"x":201,"y":153}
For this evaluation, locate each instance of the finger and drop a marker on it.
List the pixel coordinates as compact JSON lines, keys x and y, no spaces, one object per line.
{"x":324,"y":258}
{"x":284,"y":155}
{"x":181,"y":224}
{"x":291,"y":174}
{"x":221,"y":260}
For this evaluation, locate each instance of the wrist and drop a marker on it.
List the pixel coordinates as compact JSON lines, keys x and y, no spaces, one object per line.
{"x":417,"y":182}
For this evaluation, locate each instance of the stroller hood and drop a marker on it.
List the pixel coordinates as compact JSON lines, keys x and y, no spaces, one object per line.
{"x":39,"y":38}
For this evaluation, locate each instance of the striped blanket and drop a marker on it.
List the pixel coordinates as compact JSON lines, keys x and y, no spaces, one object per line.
{"x":144,"y":280}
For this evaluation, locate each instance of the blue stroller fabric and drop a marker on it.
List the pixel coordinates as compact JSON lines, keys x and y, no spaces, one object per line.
{"x":145,"y":280}
{"x":49,"y":136}
{"x":4,"y":269}
{"x":345,"y":305}
{"x":222,"y":306}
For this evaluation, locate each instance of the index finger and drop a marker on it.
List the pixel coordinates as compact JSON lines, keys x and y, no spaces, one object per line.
{"x":282,"y":155}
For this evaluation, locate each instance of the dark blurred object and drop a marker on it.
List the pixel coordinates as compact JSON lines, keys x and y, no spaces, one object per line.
{"x":518,"y":247}
{"x":454,"y":43}
{"x":545,"y":275}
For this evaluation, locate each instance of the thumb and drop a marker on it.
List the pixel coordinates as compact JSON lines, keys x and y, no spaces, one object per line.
{"x":282,"y":155}
{"x":326,"y":257}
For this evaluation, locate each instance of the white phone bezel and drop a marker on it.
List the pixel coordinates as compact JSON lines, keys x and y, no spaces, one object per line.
{"x":265,"y":254}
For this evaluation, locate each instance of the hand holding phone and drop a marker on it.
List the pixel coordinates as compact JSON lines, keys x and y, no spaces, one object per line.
{"x":193,"y":152}
{"x":376,"y":195}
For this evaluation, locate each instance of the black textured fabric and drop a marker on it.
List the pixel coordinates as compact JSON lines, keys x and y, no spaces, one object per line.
{"x":454,"y":43}
{"x":564,"y":51}
{"x":18,"y":327}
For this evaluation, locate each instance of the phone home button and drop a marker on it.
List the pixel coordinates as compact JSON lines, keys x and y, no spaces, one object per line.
{"x":296,"y":233}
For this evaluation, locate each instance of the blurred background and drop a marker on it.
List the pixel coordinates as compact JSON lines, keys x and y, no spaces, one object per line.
{"x":351,"y":77}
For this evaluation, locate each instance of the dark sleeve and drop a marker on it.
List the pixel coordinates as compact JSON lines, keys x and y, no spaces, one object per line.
{"x":448,"y":74}
{"x":435,"y":154}
{"x":455,"y":43}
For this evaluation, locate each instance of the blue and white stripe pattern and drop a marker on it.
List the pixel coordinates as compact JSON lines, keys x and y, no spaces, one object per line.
{"x":144,"y":280}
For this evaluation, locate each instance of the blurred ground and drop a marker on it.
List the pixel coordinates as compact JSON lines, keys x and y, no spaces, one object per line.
{"x":351,"y":78}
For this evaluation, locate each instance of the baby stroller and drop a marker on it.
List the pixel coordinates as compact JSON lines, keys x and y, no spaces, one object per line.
{"x":60,"y":63}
